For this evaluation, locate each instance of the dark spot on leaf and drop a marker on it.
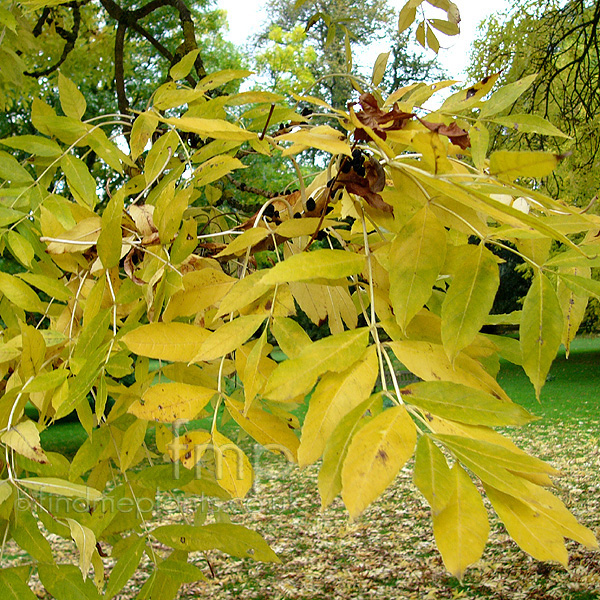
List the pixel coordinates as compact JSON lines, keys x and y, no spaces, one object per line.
{"x":471,"y":92}
{"x":188,"y":455}
{"x":429,"y":416}
{"x":382,"y":455}
{"x":182,"y":540}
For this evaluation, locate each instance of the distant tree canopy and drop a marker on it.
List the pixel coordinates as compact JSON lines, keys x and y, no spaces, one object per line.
{"x":559,"y":43}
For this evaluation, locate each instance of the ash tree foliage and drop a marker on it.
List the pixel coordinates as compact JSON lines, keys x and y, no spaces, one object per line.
{"x":140,"y":293}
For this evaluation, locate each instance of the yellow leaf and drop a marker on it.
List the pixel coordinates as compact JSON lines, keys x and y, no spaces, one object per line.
{"x":505,"y":96}
{"x":24,"y":438}
{"x":461,"y":529}
{"x":320,"y":264}
{"x":215,"y":168}
{"x":322,"y":137}
{"x":168,"y":402}
{"x":469,"y":298}
{"x":334,"y":397}
{"x":334,"y":353}
{"x":407,"y":16}
{"x":141,"y":132}
{"x":85,"y":540}
{"x":528,"y":527}
{"x":190,"y":448}
{"x":379,"y":68}
{"x":416,"y":258}
{"x":312,"y":299}
{"x":233,"y":470}
{"x":305,"y":226}
{"x":201,"y":289}
{"x":377,"y":452}
{"x":228,"y":337}
{"x":271,"y":432}
{"x":177,"y":342}
{"x":219,"y":78}
{"x":72,"y":100}
{"x":429,"y":362}
{"x":250,"y":376}
{"x":541,"y":330}
{"x":78,"y":239}
{"x":509,"y":165}
{"x":290,"y":336}
{"x":480,"y":139}
{"x":241,"y":243}
{"x":212,"y":128}
{"x":182,"y":69}
{"x":244,"y":292}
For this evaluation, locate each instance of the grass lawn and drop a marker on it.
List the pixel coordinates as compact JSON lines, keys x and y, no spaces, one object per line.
{"x":389,"y":552}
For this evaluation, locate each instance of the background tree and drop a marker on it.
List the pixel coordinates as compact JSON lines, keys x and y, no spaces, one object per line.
{"x":558,"y":43}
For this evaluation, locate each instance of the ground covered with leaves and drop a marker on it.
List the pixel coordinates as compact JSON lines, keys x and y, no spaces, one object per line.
{"x":389,"y":552}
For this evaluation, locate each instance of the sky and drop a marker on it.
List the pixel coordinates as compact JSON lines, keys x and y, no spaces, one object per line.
{"x":245,"y":18}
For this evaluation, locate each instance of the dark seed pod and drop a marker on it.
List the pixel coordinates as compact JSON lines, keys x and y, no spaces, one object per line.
{"x":346,"y":166}
{"x":297,"y":215}
{"x":360,"y":171}
{"x":330,"y":182}
{"x":328,"y":210}
{"x":310,"y":205}
{"x":269,"y":211}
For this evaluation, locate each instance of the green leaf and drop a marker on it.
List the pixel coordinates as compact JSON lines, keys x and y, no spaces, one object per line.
{"x":54,"y":288}
{"x":12,"y":587}
{"x":26,"y":533}
{"x":376,"y":454}
{"x":461,"y":529}
{"x":432,"y":475}
{"x":11,"y":170}
{"x":529,"y":124}
{"x":416,"y":257}
{"x":234,"y":540}
{"x":33,"y":144}
{"x":20,"y":294}
{"x":469,"y":299}
{"x":334,"y":353}
{"x":60,"y":487}
{"x":125,"y":567}
{"x":540,"y":331}
{"x":81,"y":183}
{"x":465,"y":404}
{"x":109,"y":242}
{"x":446,"y":27}
{"x":505,"y":96}
{"x":65,"y":582}
{"x":319,"y":264}
{"x":336,"y":450}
